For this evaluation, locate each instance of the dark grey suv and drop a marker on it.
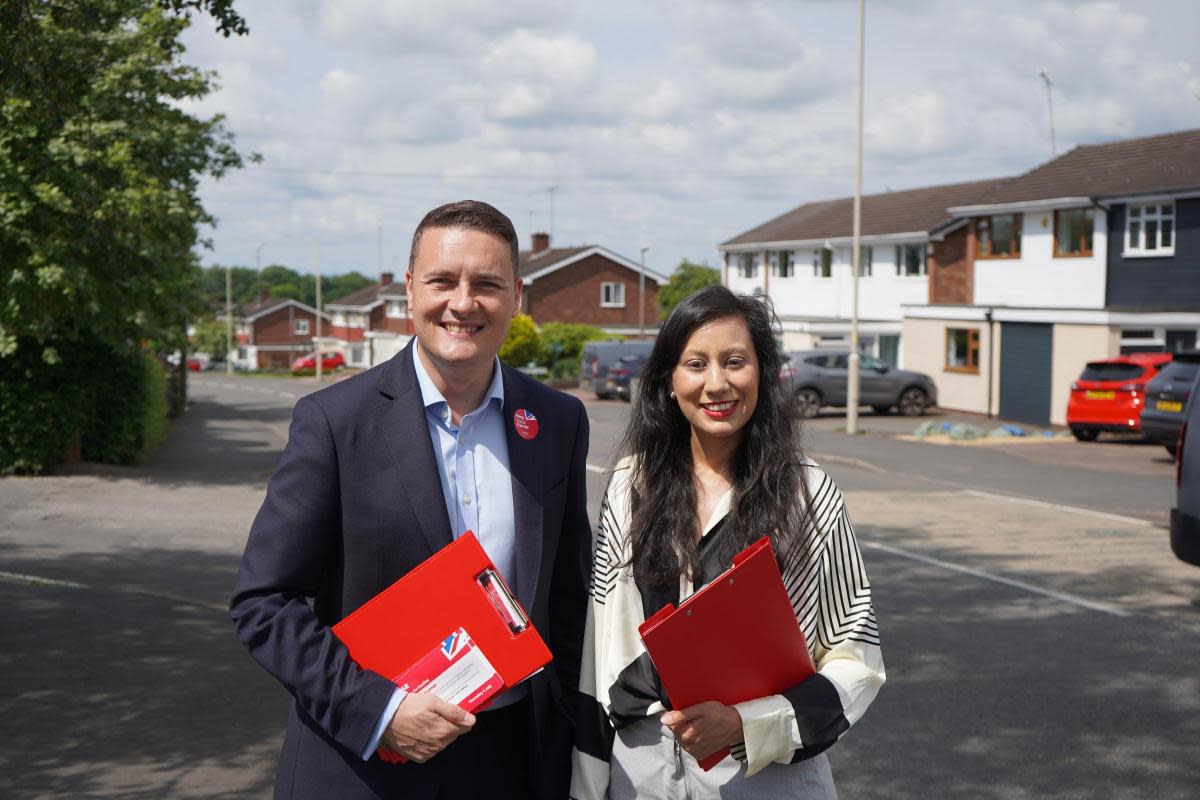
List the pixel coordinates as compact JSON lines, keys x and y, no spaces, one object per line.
{"x":1185,"y":516}
{"x":1167,"y":397}
{"x":819,"y":378}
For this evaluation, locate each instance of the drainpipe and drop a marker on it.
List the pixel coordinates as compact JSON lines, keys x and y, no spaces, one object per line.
{"x":991,"y":355}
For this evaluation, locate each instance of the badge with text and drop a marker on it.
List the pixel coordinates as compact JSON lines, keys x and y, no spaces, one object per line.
{"x":525,"y":423}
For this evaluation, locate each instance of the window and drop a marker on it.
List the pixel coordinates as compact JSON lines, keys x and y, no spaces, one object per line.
{"x":864,"y":261}
{"x":962,"y":350}
{"x":783,"y":264}
{"x":823,"y":263}
{"x":1073,"y":232}
{"x":747,"y":265}
{"x":1150,"y":229}
{"x":301,"y":327}
{"x":242,"y":354}
{"x":999,"y":236}
{"x":395,"y":308}
{"x":612,"y":295}
{"x":339,"y":318}
{"x":910,"y":260}
{"x":356,"y":354}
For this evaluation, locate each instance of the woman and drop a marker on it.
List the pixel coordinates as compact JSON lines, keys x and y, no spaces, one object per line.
{"x":713,"y":462}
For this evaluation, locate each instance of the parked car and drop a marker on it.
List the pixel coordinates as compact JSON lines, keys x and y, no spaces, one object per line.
{"x":598,"y":357}
{"x":1185,"y":517}
{"x":1166,"y":398}
{"x":330,"y":360}
{"x":621,"y":375}
{"x":819,"y":378}
{"x":1109,"y":395}
{"x":195,"y":364}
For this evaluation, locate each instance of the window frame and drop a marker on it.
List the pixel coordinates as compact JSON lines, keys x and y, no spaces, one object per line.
{"x":1089,"y":216}
{"x":1128,"y":251}
{"x":618,"y":291}
{"x":783,"y":264}
{"x":971,"y":367}
{"x":1018,"y":231}
{"x":398,"y":305}
{"x":747,"y":266}
{"x":922,"y":260}
{"x":296,"y":326}
{"x":823,"y":263}
{"x":865,"y":259}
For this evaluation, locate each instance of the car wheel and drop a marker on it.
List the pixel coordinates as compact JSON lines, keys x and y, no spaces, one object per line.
{"x":881,"y":410}
{"x":913,"y":402}
{"x":603,"y":396}
{"x":1085,"y":434}
{"x":808,"y":401}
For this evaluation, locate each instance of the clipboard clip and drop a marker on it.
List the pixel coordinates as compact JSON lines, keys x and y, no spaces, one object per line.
{"x":502,"y":600}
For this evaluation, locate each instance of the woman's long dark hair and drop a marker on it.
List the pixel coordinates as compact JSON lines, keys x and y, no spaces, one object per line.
{"x":770,"y":495}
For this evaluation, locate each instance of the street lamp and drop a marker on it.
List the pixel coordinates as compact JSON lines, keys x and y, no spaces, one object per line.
{"x":642,"y":295}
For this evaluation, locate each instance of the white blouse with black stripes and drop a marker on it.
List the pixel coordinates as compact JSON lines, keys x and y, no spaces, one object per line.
{"x":830,"y":595}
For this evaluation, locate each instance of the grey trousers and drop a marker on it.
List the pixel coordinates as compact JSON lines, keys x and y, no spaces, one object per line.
{"x":647,"y":764}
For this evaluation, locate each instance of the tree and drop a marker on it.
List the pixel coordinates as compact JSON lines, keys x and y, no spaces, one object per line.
{"x":686,"y":278}
{"x":523,"y":344}
{"x":208,"y":336}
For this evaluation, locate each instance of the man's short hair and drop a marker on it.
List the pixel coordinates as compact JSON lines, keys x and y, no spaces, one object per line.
{"x":473,"y":215}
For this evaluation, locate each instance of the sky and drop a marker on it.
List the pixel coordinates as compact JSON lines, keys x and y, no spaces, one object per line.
{"x":671,"y":125}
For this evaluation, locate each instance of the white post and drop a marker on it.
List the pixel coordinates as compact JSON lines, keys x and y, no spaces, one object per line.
{"x":852,"y":384}
{"x":228,"y":320}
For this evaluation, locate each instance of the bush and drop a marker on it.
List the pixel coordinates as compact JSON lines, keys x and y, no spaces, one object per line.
{"x":523,"y":344}
{"x":563,"y":346}
{"x":111,"y":401}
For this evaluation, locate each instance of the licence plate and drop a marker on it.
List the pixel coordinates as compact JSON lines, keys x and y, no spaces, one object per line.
{"x":1093,"y":395}
{"x":1169,"y":405}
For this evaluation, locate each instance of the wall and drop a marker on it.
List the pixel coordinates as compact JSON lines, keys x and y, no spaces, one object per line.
{"x":1074,"y":346}
{"x":572,"y":294}
{"x":923,"y":345}
{"x":950,"y":274}
{"x":277,"y":327}
{"x":1157,"y":282}
{"x":1039,"y":280}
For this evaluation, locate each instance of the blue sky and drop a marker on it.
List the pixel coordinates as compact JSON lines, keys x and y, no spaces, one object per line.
{"x":670,"y":124}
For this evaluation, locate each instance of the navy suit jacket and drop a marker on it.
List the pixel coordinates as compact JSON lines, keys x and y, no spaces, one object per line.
{"x":355,"y":503}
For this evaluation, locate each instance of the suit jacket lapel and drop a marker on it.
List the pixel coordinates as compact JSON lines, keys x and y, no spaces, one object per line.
{"x":407,"y":435}
{"x":524,"y":457}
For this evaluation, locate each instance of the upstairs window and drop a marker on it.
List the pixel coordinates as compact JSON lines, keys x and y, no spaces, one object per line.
{"x":1150,"y":229}
{"x":864,"y":261}
{"x":747,"y":265}
{"x":300,"y":326}
{"x":783,"y":264}
{"x":1073,"y":232}
{"x":395,"y":308}
{"x":999,"y":236}
{"x":823,"y":263}
{"x":612,"y":295}
{"x":910,"y":260}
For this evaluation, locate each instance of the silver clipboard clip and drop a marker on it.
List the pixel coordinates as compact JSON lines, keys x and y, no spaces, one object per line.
{"x":502,"y":600}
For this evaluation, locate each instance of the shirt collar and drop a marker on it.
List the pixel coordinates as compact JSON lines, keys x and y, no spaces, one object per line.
{"x":433,"y":400}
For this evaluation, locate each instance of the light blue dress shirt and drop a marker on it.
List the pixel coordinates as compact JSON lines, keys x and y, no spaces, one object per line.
{"x":472,"y":460}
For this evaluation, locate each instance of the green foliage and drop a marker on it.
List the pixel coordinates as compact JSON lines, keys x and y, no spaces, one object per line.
{"x":523,"y":344}
{"x":47,"y":409}
{"x":687,"y":278}
{"x":277,"y":281}
{"x":564,"y":341}
{"x":209,"y":337}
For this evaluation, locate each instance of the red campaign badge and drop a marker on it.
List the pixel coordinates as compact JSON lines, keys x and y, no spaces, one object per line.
{"x":525,"y":423}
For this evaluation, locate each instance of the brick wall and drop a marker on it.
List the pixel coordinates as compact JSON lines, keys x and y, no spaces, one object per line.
{"x":380,"y":321}
{"x":572,"y":294}
{"x":951,"y":268}
{"x":278,"y":327}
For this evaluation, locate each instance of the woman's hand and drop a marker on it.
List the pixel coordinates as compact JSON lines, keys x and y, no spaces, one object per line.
{"x":705,"y":728}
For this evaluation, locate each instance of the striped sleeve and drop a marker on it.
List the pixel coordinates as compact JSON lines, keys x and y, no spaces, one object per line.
{"x":831,"y":597}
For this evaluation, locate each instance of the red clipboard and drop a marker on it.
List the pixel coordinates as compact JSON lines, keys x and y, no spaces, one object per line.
{"x":735,"y":640}
{"x":456,"y":587}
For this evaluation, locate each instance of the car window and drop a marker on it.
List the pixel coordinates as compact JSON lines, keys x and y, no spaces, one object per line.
{"x":866,"y":362}
{"x":817,"y":361}
{"x":1111,"y":372}
{"x":1181,"y":371}
{"x":838,"y":362}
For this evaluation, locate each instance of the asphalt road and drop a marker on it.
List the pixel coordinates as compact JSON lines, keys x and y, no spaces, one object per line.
{"x":1040,"y":640}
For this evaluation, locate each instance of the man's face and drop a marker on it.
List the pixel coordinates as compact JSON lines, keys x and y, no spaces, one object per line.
{"x":462,"y":294}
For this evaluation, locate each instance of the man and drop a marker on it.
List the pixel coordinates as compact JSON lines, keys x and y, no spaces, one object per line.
{"x":379,"y":473}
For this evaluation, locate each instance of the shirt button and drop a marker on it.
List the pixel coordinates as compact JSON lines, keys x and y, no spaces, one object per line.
{"x":467,"y":499}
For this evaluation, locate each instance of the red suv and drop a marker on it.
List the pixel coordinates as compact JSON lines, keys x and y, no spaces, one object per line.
{"x":1110,"y":394}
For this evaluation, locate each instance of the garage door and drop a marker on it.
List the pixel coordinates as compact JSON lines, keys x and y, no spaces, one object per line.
{"x":1025,"y":369}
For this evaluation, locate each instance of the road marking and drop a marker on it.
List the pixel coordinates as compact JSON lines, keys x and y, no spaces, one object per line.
{"x":1104,"y":608}
{"x":38,"y":580}
{"x":829,"y":458}
{"x":1057,"y":507}
{"x":594,"y":468}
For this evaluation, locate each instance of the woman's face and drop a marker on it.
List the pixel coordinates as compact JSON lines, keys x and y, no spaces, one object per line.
{"x":716,"y":379}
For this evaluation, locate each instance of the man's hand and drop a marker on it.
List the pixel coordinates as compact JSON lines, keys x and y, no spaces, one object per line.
{"x":705,"y":728}
{"x":424,"y":726}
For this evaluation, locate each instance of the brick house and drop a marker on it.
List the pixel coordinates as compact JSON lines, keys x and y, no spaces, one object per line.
{"x":272,"y":332}
{"x":372,"y":324}
{"x":588,"y":284}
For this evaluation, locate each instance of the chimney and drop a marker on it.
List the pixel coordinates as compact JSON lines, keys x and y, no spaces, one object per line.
{"x":385,"y":278}
{"x":264,"y":295}
{"x":541,"y":242}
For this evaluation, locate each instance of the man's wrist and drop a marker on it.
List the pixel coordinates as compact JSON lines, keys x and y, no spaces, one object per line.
{"x":385,"y":718}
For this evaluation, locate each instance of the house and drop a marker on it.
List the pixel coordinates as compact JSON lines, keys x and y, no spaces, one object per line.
{"x":370,"y":325}
{"x":1090,"y":255}
{"x":588,"y":284}
{"x":912,"y":253}
{"x":272,"y":332}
